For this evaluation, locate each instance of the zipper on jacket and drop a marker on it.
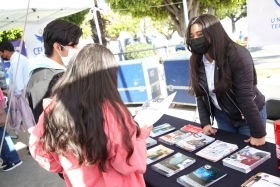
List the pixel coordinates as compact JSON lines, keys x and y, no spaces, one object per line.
{"x":208,"y":102}
{"x":237,"y":107}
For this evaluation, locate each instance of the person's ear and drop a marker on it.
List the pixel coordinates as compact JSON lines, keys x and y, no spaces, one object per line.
{"x":209,"y":40}
{"x":57,"y":47}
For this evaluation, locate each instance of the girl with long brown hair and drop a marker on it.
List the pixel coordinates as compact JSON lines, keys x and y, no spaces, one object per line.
{"x":223,"y":79}
{"x":86,"y":132}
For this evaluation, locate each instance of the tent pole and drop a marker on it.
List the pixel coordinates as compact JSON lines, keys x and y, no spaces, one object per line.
{"x":97,"y":25}
{"x":185,"y":8}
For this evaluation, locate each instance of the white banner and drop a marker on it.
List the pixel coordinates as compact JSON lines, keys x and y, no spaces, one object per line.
{"x":33,"y":38}
{"x":263,"y":22}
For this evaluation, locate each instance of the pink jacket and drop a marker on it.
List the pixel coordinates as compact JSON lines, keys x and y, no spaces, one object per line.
{"x":118,"y":174}
{"x":20,"y":112}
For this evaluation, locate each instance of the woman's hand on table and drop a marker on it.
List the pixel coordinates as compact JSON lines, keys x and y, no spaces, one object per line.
{"x":256,"y":141}
{"x":208,"y":130}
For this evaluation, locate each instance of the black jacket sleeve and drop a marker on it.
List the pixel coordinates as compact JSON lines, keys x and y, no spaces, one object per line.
{"x":243,"y":79}
{"x":204,"y":114}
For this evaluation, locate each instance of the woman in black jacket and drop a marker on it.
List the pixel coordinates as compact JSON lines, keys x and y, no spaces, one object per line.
{"x":223,"y":79}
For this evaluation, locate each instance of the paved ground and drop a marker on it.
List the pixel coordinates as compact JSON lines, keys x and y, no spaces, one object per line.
{"x":29,"y":174}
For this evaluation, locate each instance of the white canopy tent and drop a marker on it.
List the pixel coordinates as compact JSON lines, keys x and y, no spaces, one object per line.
{"x":13,"y":12}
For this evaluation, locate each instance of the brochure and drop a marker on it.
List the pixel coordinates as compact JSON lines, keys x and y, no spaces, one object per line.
{"x":157,"y":153}
{"x":246,"y":159}
{"x":150,"y":142}
{"x":195,"y":141}
{"x":161,"y":129}
{"x":192,"y":129}
{"x":152,"y":110}
{"x":173,"y":164}
{"x":203,"y":176}
{"x":173,"y":137}
{"x":217,"y":150}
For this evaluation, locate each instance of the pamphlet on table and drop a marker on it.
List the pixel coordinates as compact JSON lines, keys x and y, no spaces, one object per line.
{"x":246,"y":159}
{"x":157,"y":153}
{"x":217,"y":150}
{"x":161,"y":129}
{"x":192,"y":129}
{"x":203,"y":176}
{"x":174,"y":137}
{"x":194,"y":142}
{"x":173,"y":164}
{"x":150,"y":142}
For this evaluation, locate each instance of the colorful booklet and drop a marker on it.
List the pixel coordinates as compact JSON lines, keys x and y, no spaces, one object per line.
{"x":217,"y":150}
{"x":203,"y":176}
{"x":173,"y":164}
{"x":174,"y":137}
{"x":161,"y":129}
{"x":152,"y":110}
{"x":195,"y":141}
{"x":246,"y":159}
{"x":262,"y":180}
{"x":150,"y":142}
{"x":192,"y":129}
{"x":157,"y":153}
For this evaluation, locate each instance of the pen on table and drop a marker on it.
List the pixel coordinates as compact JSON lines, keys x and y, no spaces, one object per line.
{"x":255,"y":179}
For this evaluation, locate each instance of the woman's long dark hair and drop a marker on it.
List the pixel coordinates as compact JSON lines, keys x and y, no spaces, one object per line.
{"x":212,"y":30}
{"x":75,"y":124}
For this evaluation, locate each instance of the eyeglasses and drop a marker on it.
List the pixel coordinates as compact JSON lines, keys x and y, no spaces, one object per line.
{"x":72,"y":46}
{"x":63,"y":46}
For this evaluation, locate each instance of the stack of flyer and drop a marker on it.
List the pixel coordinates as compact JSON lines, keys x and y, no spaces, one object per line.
{"x":195,"y":141}
{"x":173,"y":164}
{"x":246,"y":159}
{"x":217,"y":150}
{"x":191,"y":129}
{"x":161,"y":129}
{"x":174,"y":137}
{"x":203,"y":176}
{"x":157,"y":153}
{"x":150,"y":142}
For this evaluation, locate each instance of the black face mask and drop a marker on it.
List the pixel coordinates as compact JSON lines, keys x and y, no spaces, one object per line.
{"x":199,"y":45}
{"x":5,"y":59}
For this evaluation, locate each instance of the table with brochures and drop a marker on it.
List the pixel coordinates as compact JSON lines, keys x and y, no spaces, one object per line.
{"x":234,"y":178}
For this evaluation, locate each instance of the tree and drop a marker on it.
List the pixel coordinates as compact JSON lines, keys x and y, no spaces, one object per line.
{"x":140,"y":54}
{"x":12,"y":34}
{"x":76,"y":18}
{"x":165,"y":27}
{"x":80,"y":19}
{"x":234,"y":13}
{"x":116,"y":23}
{"x":102,"y":29}
{"x":161,"y":9}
